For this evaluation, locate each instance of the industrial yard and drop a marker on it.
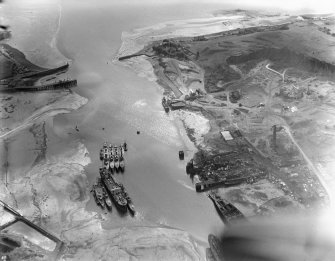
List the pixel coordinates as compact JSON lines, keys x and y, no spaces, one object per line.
{"x":262,"y":90}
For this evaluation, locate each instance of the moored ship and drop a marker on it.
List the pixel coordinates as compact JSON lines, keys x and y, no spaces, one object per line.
{"x":130,"y":204}
{"x":215,"y":248}
{"x":98,"y":195}
{"x":226,"y":210}
{"x":111,"y":163}
{"x":117,"y":163}
{"x":114,"y":190}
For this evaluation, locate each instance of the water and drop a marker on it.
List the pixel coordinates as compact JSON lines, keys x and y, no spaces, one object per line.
{"x":122,"y":103}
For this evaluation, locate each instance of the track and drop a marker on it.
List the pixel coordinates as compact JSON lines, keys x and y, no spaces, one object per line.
{"x":274,"y":71}
{"x":21,"y":218}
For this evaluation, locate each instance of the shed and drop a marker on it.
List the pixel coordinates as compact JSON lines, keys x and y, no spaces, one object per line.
{"x":226,"y":135}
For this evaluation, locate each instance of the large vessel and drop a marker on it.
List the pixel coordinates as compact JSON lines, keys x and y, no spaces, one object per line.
{"x":226,"y":210}
{"x":216,"y":249}
{"x":114,"y":189}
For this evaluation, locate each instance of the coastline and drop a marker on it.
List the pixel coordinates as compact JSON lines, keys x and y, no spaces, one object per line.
{"x":53,"y":189}
{"x":139,"y":44}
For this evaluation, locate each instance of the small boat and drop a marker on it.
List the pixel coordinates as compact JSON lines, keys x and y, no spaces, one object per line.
{"x":125,"y":146}
{"x":117,"y":162}
{"x":122,"y":164}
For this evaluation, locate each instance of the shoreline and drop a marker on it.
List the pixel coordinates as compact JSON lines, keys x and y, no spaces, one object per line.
{"x":140,"y":42}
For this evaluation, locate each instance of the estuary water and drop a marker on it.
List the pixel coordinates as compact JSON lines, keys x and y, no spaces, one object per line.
{"x":122,"y":103}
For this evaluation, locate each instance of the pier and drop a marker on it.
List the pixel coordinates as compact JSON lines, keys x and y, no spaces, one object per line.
{"x":52,"y":86}
{"x":212,"y":184}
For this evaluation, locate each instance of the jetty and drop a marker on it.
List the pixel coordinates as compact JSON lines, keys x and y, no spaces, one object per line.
{"x":65,"y":84}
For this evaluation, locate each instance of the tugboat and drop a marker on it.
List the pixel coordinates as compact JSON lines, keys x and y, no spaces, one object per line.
{"x":122,"y":164}
{"x":114,"y":190}
{"x":165,"y":105}
{"x":226,"y":210}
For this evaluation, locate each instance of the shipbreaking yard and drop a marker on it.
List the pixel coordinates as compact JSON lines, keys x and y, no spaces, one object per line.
{"x":256,"y":101}
{"x":268,"y":100}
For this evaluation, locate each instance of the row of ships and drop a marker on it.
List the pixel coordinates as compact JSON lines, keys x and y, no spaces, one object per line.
{"x":112,"y":156}
{"x":107,"y":189}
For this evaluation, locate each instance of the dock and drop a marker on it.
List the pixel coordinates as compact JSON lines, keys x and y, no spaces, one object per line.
{"x":52,"y":86}
{"x":212,"y":184}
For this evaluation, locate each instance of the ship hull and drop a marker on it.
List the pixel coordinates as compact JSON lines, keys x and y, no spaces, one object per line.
{"x":121,"y":208}
{"x":110,"y":184}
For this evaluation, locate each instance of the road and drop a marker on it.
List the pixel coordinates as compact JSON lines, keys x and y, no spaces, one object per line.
{"x":311,"y":165}
{"x":34,"y":118}
{"x":18,"y":217}
{"x":274,"y":71}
